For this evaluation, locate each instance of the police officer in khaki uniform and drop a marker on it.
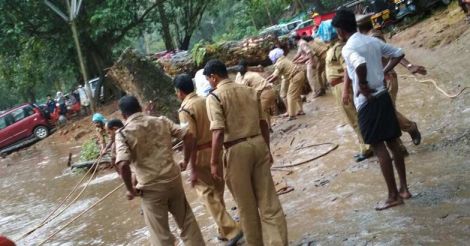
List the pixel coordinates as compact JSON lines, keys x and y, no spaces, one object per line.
{"x":145,"y":144}
{"x":296,"y":78}
{"x":335,"y":74}
{"x":406,"y":125}
{"x":193,"y":113}
{"x":261,"y":85}
{"x":241,"y":129}
{"x":313,"y":54}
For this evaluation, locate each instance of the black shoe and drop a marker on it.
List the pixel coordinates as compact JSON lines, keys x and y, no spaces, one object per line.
{"x":235,"y":240}
{"x":360,"y":157}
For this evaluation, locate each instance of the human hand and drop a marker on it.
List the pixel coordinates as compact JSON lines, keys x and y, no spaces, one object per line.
{"x":193,"y":177}
{"x":366,"y":91}
{"x":346,"y":98}
{"x":131,"y":194}
{"x":416,"y":69}
{"x":215,"y":171}
{"x":183,"y":165}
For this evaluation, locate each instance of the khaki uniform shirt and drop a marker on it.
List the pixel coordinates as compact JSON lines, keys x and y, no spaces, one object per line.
{"x":101,"y":136}
{"x":253,"y":80}
{"x":286,"y":67}
{"x":145,"y":141}
{"x":236,"y":109}
{"x":193,"y":113}
{"x":334,"y":66}
{"x":318,"y":48}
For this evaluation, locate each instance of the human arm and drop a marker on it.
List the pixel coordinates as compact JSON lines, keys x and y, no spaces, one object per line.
{"x":217,"y":144}
{"x":126,"y":175}
{"x":189,"y":146}
{"x":271,"y":78}
{"x":123,"y":161}
{"x":395,"y":55}
{"x":412,"y":68}
{"x":346,"y":89}
{"x":364,"y":89}
{"x":216,"y":117}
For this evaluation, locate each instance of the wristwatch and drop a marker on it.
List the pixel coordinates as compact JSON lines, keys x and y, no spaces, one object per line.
{"x":409,"y":65}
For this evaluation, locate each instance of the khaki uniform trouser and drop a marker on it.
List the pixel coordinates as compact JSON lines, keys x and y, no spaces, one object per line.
{"x":268,"y":100}
{"x":294,"y":93}
{"x":406,"y":125}
{"x":248,"y":176}
{"x":156,"y":204}
{"x":315,"y":74}
{"x":211,"y":192}
{"x":351,"y":115}
{"x":284,"y":88}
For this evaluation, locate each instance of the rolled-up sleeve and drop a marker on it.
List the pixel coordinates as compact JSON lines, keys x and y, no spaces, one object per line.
{"x":188,"y":121}
{"x":389,"y":50}
{"x":354,"y":58}
{"x":123,"y":153}
{"x":215,"y":113}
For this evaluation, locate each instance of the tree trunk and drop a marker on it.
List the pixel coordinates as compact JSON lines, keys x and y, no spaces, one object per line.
{"x":139,"y":77}
{"x":165,"y":30}
{"x":184,"y":44}
{"x":254,"y":50}
{"x":266,"y":5}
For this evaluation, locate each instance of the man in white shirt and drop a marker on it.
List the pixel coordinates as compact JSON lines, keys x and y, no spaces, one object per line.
{"x":376,"y":113}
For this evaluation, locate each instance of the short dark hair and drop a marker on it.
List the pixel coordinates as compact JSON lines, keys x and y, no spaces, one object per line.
{"x":48,"y":95}
{"x":297,"y":37}
{"x":242,"y":66}
{"x":345,"y":20}
{"x":215,"y":67}
{"x":184,"y":83}
{"x":114,"y":123}
{"x":366,"y":26}
{"x":129,"y":105}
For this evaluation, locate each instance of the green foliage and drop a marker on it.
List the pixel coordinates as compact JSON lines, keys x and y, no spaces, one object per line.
{"x":198,"y":52}
{"x":90,"y":150}
{"x":37,"y":53}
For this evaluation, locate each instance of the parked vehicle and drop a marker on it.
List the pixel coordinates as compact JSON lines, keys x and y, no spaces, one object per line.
{"x":405,"y":8}
{"x":93,"y":86}
{"x":23,"y":122}
{"x":304,"y":28}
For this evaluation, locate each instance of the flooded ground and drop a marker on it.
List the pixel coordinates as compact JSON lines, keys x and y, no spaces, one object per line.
{"x":333,"y":199}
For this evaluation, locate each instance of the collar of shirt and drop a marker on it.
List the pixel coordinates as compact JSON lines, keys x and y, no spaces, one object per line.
{"x":188,"y":98}
{"x":134,"y":116}
{"x":224,"y":82}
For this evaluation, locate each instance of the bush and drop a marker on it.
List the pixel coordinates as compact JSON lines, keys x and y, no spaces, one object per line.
{"x":90,"y":151}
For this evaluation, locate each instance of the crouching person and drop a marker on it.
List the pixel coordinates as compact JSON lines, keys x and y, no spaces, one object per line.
{"x":145,"y":144}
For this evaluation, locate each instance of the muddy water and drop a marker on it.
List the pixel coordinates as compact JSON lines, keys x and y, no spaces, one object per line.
{"x":34,"y":181}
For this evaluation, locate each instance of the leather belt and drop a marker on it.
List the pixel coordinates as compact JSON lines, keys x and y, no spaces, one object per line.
{"x":204,"y":146}
{"x":240,"y":140}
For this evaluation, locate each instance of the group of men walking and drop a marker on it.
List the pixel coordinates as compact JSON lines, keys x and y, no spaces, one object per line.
{"x":226,"y":134}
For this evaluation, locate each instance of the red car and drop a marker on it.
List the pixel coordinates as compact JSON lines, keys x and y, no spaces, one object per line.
{"x":20,"y":123}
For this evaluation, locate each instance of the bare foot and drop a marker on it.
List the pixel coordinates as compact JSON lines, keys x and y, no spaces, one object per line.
{"x":285,"y":115}
{"x":405,"y":193}
{"x":389,"y":203}
{"x":301,"y":113}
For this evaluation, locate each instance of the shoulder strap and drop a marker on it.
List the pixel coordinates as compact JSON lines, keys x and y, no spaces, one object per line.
{"x":187,"y":111}
{"x":214,"y":95}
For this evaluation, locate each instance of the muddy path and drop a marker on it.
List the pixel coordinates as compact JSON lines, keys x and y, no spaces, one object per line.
{"x":334,"y":197}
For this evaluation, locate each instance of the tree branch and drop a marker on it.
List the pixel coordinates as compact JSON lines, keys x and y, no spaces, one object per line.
{"x":135,"y":23}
